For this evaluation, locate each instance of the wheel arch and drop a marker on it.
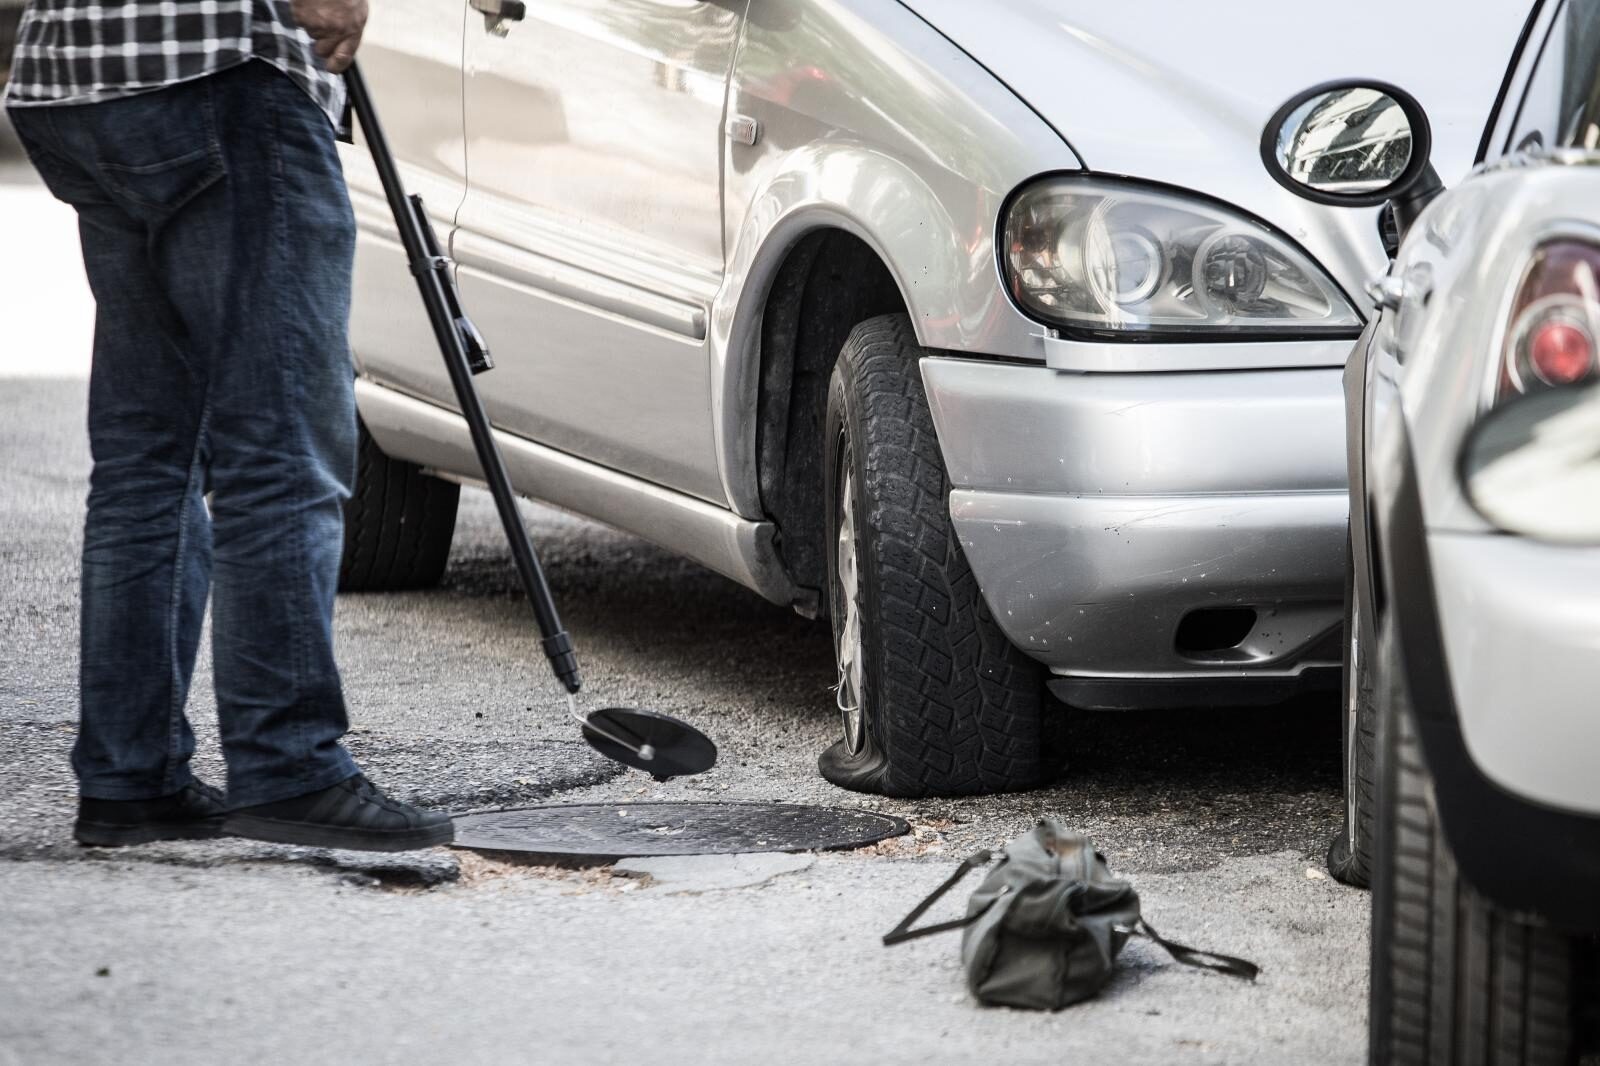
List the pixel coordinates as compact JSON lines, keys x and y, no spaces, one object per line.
{"x":863,"y":118}
{"x":818,"y":190}
{"x":829,"y":279}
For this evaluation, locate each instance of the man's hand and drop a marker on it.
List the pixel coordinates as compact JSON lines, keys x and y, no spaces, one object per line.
{"x":335,"y":27}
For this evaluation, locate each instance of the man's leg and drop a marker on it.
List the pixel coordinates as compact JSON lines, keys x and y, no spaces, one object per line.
{"x":233,"y":183}
{"x":282,"y":433}
{"x":146,"y":546}
{"x":283,"y":436}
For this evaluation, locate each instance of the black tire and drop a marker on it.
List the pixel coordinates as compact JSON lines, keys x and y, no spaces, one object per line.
{"x":1454,"y":979}
{"x":1350,"y":854}
{"x":398,"y":524}
{"x":949,"y":706}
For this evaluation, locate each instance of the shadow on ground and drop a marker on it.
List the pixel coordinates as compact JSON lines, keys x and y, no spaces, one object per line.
{"x":1179,"y":787}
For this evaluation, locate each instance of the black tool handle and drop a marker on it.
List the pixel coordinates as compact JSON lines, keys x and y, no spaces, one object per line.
{"x":416,"y":235}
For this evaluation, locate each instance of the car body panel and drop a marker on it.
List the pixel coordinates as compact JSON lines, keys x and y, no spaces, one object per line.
{"x":635,"y":177}
{"x":1100,"y":586}
{"x":1521,"y":625}
{"x":712,"y":536}
{"x":1357,"y":400}
{"x":1457,"y":305}
{"x":419,"y":47}
{"x":1519,"y":621}
{"x":868,"y":122}
{"x":1098,"y":511}
{"x":1478,"y":816}
{"x":590,"y":240}
{"x":1029,"y":429}
{"x":1190,"y":102}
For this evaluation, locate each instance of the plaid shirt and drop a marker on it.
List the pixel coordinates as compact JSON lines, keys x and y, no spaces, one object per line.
{"x":82,"y":51}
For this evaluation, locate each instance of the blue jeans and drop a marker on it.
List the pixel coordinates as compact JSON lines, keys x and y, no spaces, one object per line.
{"x":218,"y":240}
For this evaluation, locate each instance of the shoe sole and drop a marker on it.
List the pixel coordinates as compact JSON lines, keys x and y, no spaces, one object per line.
{"x":274,"y":831}
{"x":108,"y":835}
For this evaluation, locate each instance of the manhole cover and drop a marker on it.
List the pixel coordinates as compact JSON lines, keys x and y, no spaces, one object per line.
{"x":605,"y":831}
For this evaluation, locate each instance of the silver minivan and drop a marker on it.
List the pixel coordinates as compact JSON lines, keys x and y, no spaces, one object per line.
{"x":975,"y":328}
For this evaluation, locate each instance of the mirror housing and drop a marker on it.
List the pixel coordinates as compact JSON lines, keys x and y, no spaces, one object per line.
{"x":1384,"y":157}
{"x":1531,"y":466}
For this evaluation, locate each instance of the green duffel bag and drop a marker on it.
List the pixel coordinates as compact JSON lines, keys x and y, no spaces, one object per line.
{"x":1044,"y":929}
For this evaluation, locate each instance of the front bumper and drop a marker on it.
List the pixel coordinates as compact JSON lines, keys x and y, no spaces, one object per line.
{"x":1162,"y":531}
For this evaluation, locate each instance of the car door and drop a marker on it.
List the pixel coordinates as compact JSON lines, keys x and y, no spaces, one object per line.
{"x":590,"y":240}
{"x":411,"y":58}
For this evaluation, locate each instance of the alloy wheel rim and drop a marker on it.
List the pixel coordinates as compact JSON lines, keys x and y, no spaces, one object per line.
{"x":849,"y":639}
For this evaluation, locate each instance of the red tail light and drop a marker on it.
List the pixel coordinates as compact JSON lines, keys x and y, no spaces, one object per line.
{"x":1555,"y":320}
{"x":1560,"y":353}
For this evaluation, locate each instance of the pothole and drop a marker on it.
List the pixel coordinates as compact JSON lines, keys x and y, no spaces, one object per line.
{"x":464,"y":775}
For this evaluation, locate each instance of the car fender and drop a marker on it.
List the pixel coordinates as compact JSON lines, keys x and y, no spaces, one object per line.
{"x":866,"y":120}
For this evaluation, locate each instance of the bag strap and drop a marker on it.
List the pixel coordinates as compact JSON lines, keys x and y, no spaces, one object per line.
{"x":903,"y":932}
{"x":1205,"y":960}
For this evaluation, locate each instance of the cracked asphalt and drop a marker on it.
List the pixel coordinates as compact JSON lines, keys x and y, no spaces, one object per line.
{"x":241,"y":952}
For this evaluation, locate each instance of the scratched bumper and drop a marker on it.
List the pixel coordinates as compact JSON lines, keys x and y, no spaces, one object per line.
{"x":1099,"y":511}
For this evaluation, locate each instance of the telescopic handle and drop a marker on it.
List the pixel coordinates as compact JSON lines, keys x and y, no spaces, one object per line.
{"x":412,"y":222}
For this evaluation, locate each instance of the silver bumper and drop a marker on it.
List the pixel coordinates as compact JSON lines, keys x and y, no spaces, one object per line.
{"x":1521,"y":628}
{"x":1151,"y":527}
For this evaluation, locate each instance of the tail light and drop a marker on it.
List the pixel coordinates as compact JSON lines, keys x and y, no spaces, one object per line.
{"x":1554,"y":337}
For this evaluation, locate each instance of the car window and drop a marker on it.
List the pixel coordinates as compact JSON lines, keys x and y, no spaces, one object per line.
{"x":1561,"y":106}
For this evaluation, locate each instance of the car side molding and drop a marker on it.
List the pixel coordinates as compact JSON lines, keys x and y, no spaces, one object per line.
{"x":716,"y":538}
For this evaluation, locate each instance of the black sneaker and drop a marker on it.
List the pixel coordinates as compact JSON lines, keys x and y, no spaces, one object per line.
{"x":352,"y":814}
{"x":194,"y":812}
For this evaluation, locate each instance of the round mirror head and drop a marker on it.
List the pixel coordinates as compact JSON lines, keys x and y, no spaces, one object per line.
{"x":1532,"y":465}
{"x":1348,"y":143}
{"x":658,"y":744}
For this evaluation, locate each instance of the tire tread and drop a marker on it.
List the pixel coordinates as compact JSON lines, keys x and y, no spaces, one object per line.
{"x":963,"y":704}
{"x":1456,"y":982}
{"x":398,"y":524}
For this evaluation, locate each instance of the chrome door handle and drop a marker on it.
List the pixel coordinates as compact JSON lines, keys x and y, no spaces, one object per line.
{"x":496,"y":13}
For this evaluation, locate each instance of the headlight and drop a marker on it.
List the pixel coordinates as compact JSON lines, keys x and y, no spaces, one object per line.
{"x":1109,"y":256}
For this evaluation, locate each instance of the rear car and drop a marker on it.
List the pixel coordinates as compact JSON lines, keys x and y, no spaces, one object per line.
{"x":1473,"y":806}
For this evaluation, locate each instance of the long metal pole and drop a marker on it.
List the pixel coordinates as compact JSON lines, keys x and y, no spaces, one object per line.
{"x":410,"y":220}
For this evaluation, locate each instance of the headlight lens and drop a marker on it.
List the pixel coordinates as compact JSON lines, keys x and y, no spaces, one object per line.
{"x":1114,"y":256}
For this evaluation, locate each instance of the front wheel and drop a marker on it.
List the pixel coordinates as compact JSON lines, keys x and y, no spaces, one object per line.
{"x":933,"y":699}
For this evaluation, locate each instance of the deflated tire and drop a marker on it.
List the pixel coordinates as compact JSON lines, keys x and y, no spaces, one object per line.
{"x":933,"y":699}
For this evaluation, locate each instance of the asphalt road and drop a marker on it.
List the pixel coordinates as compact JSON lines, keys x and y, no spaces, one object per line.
{"x":238,"y":952}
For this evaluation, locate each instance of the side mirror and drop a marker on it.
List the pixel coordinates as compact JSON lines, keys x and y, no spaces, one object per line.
{"x":1353,"y":144}
{"x":1532,"y":465}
